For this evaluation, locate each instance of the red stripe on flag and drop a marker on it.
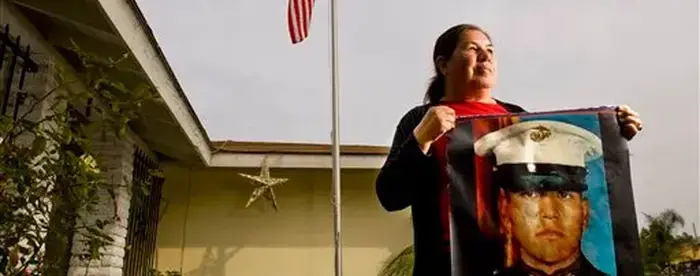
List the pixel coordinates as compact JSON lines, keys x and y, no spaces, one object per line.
{"x":299,"y":19}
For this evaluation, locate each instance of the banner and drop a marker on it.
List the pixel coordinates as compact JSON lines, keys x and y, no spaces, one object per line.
{"x":542,"y":194}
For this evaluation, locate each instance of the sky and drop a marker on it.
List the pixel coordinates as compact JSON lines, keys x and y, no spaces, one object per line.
{"x":247,"y":82}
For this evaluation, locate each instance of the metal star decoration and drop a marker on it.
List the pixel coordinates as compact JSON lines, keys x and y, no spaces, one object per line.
{"x":265,"y":184}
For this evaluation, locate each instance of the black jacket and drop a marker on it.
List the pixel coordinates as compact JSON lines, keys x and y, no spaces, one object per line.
{"x":410,"y":178}
{"x":581,"y":268}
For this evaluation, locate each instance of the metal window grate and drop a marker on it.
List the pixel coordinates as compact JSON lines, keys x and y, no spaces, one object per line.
{"x":13,"y":59}
{"x":139,"y":257}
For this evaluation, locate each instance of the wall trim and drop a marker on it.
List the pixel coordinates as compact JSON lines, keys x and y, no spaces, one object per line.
{"x":295,"y":161}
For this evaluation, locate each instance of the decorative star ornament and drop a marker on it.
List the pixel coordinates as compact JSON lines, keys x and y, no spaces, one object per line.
{"x":265,"y":184}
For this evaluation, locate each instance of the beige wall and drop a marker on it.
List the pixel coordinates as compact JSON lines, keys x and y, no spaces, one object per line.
{"x":205,"y":229}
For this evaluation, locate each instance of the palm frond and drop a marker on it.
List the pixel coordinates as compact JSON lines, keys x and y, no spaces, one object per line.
{"x":399,"y":265}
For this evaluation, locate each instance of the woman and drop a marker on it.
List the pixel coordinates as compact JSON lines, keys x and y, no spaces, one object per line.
{"x":414,"y":174}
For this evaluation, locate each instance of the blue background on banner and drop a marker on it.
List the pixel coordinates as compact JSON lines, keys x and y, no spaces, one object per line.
{"x":597,"y":243}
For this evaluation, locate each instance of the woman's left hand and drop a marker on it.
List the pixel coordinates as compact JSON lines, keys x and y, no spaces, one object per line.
{"x":630,"y":123}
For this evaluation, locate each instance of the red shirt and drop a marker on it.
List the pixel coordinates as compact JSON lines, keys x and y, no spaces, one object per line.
{"x":440,"y":151}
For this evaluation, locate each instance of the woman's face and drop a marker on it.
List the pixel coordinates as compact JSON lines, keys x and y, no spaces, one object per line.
{"x":472,"y":63}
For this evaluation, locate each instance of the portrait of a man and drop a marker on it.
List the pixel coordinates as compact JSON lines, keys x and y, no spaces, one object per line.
{"x":540,"y":171}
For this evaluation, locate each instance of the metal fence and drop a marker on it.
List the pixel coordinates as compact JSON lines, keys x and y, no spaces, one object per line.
{"x":139,"y":257}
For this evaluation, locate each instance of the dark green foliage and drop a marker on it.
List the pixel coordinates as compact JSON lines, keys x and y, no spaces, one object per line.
{"x":48,"y":167}
{"x":661,"y":246}
{"x":399,"y":265}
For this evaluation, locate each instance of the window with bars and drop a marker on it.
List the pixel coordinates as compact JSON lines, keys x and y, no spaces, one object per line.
{"x":14,"y":60}
{"x":15,"y":66}
{"x":139,"y":257}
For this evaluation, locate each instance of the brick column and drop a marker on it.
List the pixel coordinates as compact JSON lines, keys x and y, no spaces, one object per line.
{"x":116,"y":157}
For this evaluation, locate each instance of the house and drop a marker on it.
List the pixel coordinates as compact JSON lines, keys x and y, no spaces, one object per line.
{"x":206,"y":229}
{"x":688,"y":253}
{"x":195,"y":221}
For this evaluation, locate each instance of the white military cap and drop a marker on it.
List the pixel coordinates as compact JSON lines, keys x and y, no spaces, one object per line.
{"x":541,"y":142}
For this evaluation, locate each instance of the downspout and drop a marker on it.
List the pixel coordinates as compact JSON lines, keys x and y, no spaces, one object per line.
{"x":184,"y":224}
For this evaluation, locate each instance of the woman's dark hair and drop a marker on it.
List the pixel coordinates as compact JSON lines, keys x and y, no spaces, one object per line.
{"x":444,"y":46}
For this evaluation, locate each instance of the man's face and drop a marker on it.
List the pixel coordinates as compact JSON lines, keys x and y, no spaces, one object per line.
{"x":547,"y":225}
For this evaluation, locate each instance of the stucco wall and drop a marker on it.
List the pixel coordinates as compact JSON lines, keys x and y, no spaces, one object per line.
{"x":205,"y":229}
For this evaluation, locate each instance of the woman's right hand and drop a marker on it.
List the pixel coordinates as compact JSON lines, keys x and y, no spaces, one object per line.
{"x":436,"y":122}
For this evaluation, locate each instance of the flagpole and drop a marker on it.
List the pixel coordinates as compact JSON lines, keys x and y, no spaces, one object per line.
{"x":336,"y":139}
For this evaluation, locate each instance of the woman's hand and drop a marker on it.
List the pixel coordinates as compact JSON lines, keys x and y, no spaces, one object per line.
{"x":630,"y":123}
{"x":435,"y":122}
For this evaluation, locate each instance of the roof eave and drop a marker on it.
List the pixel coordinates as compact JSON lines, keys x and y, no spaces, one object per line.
{"x":238,"y":154}
{"x":295,"y":161}
{"x":128,"y":20}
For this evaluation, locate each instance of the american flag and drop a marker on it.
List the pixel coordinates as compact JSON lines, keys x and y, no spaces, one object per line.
{"x":299,"y":19}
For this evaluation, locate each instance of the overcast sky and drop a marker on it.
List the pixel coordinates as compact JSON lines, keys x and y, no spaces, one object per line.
{"x":247,"y":82}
